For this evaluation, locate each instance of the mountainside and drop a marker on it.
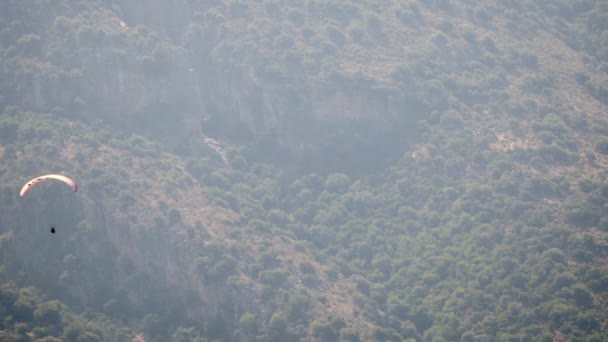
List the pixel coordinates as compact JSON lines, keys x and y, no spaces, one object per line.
{"x":304,"y":170}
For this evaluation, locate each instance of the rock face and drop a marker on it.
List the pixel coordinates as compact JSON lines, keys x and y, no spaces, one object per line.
{"x":160,"y":63}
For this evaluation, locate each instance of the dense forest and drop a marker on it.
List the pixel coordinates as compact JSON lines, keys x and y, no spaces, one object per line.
{"x":310,"y":170}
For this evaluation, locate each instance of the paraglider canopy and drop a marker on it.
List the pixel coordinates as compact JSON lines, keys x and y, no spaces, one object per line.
{"x":29,"y":185}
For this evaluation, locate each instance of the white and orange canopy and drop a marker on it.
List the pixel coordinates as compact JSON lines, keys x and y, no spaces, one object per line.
{"x":29,"y":185}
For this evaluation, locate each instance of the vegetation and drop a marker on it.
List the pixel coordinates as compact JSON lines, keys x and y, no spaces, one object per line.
{"x":312,"y":170}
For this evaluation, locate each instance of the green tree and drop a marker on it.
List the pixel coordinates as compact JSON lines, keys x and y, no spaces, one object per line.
{"x":248,"y":325}
{"x":182,"y":334}
{"x":277,"y":328}
{"x":337,"y":183}
{"x":152,"y":326}
{"x":49,"y":313}
{"x":323,"y":331}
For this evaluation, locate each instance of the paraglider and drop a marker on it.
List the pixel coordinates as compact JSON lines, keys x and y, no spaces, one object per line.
{"x":29,"y":185}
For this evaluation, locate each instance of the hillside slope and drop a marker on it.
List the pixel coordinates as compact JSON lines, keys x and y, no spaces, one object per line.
{"x":315,"y":170}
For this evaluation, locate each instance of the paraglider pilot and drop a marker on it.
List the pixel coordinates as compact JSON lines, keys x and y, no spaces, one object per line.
{"x":52,"y":229}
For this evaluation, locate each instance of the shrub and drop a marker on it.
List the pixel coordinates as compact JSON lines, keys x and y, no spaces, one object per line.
{"x":274,"y":278}
{"x":323,"y":331}
{"x":582,"y":77}
{"x":584,"y":216}
{"x":248,"y":324}
{"x":582,"y":297}
{"x":602,"y":146}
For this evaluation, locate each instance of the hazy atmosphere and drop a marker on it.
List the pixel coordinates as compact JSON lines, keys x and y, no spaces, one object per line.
{"x":304,"y":170}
